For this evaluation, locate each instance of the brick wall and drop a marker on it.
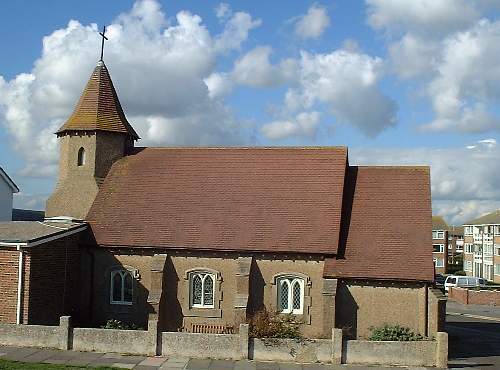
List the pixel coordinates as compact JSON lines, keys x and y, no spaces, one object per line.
{"x":51,"y":287}
{"x":9,"y":261}
{"x":466,"y":296}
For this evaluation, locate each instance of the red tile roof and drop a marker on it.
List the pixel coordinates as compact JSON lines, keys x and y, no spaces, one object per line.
{"x":99,"y":108}
{"x":386,"y":225}
{"x":234,"y":199}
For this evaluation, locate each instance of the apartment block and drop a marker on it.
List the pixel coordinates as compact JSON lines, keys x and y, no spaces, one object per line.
{"x":440,"y":244}
{"x":482,"y":247}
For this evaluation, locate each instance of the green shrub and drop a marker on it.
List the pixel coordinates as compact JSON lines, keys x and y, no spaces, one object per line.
{"x":460,"y":273}
{"x":266,"y":325}
{"x":117,"y":324}
{"x":393,"y":332}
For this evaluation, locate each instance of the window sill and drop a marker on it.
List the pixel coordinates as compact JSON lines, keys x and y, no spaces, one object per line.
{"x":203,"y":312}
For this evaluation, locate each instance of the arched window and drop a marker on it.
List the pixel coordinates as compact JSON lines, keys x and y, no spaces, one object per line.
{"x":291,"y":295}
{"x":201,"y":286}
{"x":122,"y":286}
{"x":81,"y":157}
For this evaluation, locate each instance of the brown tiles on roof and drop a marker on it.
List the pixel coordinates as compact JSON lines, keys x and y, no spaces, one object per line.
{"x":241,"y":199}
{"x":386,"y":225}
{"x":99,"y":107}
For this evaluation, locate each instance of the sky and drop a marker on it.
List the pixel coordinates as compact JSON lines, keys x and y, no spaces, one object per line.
{"x":397,"y":82}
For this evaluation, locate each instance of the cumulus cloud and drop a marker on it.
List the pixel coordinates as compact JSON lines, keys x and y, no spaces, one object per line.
{"x":160,"y":71}
{"x":435,"y":17}
{"x":313,"y":24}
{"x":303,"y":125}
{"x":345,"y":81}
{"x":452,"y":52}
{"x":254,"y":69}
{"x":235,"y":32}
{"x":463,"y":184}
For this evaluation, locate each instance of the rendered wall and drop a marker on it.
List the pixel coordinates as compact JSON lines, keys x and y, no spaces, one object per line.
{"x":363,"y":304}
{"x":5,"y":201}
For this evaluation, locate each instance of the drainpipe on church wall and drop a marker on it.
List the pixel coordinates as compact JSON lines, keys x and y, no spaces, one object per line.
{"x":19,"y":284}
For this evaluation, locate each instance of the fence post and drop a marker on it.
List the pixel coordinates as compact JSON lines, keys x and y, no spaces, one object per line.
{"x":336,"y":346}
{"x":243,"y":340}
{"x":442,"y":350}
{"x":65,"y":333}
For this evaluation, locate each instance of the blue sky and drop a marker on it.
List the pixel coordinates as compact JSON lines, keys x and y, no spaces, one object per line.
{"x":396,"y":82}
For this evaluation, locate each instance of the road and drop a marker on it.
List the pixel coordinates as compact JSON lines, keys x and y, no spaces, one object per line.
{"x":474,"y":336}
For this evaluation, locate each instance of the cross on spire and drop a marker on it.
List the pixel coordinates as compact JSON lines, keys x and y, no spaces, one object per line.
{"x":103,"y":34}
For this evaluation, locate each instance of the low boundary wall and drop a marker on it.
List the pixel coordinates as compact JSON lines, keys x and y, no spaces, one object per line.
{"x":414,"y":353}
{"x":227,"y":346}
{"x":470,"y":296}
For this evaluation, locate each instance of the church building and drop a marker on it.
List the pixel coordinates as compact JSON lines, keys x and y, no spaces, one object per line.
{"x":209,"y":236}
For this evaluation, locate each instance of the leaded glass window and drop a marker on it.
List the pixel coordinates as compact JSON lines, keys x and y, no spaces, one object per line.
{"x":202,"y":290}
{"x":290,"y":295}
{"x":122,"y":286}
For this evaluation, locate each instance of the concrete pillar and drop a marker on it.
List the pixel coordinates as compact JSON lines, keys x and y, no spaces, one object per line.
{"x":329,"y":292}
{"x":243,"y":339}
{"x":442,"y":350}
{"x":156,"y":287}
{"x":336,"y":346}
{"x":154,"y":336}
{"x":242,"y":289}
{"x":436,"y":310}
{"x":65,"y":333}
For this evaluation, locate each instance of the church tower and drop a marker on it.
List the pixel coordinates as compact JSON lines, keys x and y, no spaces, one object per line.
{"x":95,"y":136}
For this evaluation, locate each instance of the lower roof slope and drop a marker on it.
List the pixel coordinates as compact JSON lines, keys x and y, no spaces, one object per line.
{"x":387,"y":223}
{"x":492,"y":218}
{"x":232,"y":199}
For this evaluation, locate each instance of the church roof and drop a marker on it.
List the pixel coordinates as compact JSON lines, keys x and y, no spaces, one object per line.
{"x":226,"y":199}
{"x":386,"y":225}
{"x":368,"y":222}
{"x":99,"y":108}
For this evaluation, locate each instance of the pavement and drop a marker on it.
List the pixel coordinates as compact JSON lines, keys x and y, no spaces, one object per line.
{"x":474,"y":336}
{"x":93,"y":359}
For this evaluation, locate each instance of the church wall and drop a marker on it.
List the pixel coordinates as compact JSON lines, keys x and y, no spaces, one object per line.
{"x":365,"y":304}
{"x":52,"y":279}
{"x":76,"y":187}
{"x":262,"y":285}
{"x":175,"y":311}
{"x":104,"y":262}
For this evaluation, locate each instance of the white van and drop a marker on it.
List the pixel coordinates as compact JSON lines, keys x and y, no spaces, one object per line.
{"x":463,"y":282}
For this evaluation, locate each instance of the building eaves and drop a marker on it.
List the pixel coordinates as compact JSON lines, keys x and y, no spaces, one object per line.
{"x":9,"y":181}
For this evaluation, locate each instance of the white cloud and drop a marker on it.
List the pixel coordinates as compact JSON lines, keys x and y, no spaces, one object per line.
{"x":347,"y":82}
{"x":235,"y":32}
{"x":254,"y":69}
{"x":467,"y":84}
{"x":451,"y":52}
{"x":463,"y":184}
{"x":304,"y":124}
{"x":434,"y":17}
{"x":313,"y":24}
{"x":223,"y":10}
{"x":159,"y":70}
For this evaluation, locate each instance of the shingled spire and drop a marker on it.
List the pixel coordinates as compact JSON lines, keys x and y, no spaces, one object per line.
{"x":99,"y":108}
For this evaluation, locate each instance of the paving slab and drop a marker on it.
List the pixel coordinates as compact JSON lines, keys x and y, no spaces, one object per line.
{"x":198,"y":364}
{"x":40,"y":356}
{"x":122,"y":365}
{"x":142,"y":367}
{"x":264,"y":365}
{"x":290,"y":366}
{"x":244,"y":365}
{"x":153,"y":361}
{"x":84,"y":358}
{"x":18,"y":354}
{"x":222,"y":364}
